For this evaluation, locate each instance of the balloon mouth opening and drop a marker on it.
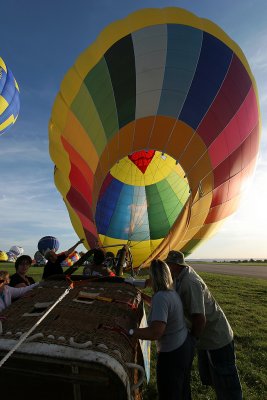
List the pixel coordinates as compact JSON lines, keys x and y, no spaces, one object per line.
{"x":141,"y":197}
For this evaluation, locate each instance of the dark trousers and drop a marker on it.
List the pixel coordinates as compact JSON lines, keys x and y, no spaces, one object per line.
{"x":173,"y":372}
{"x":217,"y":368}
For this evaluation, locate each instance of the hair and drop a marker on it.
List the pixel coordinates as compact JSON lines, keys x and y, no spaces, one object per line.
{"x":161,"y":278}
{"x":3,"y":275}
{"x":20,"y":259}
{"x":99,"y":256}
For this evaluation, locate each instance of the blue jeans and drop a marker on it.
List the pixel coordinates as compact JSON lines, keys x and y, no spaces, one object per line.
{"x":217,"y":368}
{"x":174,"y":370}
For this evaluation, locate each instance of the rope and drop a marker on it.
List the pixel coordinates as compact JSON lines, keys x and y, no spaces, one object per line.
{"x":26,"y":334}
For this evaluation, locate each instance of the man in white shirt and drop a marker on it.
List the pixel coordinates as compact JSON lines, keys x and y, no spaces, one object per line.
{"x":209,"y":325}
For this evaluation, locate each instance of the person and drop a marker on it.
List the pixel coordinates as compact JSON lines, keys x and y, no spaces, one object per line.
{"x":110,"y":260}
{"x":20,"y":279}
{"x":53,"y":265}
{"x":98,"y":268}
{"x":210,"y":327}
{"x":166,"y":325}
{"x":8,"y":293}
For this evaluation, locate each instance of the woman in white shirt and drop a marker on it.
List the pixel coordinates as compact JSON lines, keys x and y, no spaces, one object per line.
{"x":8,"y":293}
{"x":166,"y":325}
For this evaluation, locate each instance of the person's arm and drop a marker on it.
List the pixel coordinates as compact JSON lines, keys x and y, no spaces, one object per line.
{"x":71,"y":250}
{"x":152,"y":332}
{"x":198,"y":324}
{"x":18,"y":292}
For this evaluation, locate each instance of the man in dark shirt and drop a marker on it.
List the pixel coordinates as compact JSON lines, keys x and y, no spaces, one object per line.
{"x":53,"y":266}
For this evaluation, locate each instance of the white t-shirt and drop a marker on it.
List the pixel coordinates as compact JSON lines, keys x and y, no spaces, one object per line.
{"x":167,"y":307}
{"x":9,"y":293}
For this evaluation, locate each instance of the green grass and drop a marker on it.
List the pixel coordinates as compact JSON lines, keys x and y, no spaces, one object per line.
{"x":244,"y":301}
{"x":239,"y":264}
{"x":35,"y":272}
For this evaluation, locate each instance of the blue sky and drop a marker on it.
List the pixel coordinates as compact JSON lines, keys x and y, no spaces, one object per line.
{"x":40,"y":41}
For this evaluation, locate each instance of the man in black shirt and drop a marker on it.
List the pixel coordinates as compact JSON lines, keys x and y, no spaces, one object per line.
{"x":53,"y":266}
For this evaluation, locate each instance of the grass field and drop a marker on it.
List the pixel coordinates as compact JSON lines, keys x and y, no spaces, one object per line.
{"x":244,"y":301}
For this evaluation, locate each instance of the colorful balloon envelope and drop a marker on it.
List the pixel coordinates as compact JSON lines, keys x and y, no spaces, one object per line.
{"x":3,"y":256}
{"x":9,"y":98}
{"x":48,"y":243}
{"x":73,"y":257}
{"x":39,"y":258}
{"x":16,"y":250}
{"x":154,"y":133}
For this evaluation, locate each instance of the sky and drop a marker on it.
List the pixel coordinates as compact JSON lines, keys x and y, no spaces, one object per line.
{"x":40,"y":41}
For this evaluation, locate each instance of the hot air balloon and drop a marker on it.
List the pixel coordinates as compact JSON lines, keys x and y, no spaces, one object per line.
{"x":39,"y":258}
{"x":3,"y":256}
{"x":68,"y":262}
{"x":14,"y":252}
{"x":9,"y":98}
{"x":48,"y":243}
{"x":154,"y":133}
{"x":17,"y":250}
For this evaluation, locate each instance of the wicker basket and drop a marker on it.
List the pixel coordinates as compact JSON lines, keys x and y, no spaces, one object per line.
{"x":81,"y":342}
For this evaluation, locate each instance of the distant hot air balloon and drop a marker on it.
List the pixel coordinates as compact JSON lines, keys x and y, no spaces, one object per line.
{"x":39,"y":258}
{"x":3,"y":256}
{"x":154,"y":133}
{"x":9,"y":98}
{"x":14,"y":252}
{"x":48,"y":243}
{"x":17,"y":250}
{"x":73,"y":257}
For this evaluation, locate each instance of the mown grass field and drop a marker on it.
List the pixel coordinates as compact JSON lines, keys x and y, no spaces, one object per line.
{"x":244,"y":301}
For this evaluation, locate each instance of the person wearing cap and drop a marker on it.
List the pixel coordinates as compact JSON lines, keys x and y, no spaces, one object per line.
{"x":53,"y":265}
{"x":166,"y":325}
{"x":210,"y":327}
